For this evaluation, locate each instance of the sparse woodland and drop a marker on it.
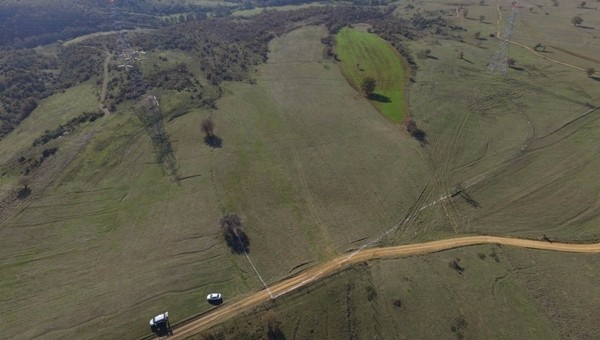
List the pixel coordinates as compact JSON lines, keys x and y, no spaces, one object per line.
{"x":227,"y":49}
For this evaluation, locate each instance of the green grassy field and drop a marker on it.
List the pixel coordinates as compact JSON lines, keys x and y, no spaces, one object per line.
{"x":314,"y":170}
{"x":128,"y":243}
{"x":364,"y":55}
{"x":520,"y":141}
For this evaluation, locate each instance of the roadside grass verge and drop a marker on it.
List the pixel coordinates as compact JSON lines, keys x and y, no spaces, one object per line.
{"x":365,"y":54}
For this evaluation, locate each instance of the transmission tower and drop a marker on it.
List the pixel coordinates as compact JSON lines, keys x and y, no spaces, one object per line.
{"x":499,"y":61}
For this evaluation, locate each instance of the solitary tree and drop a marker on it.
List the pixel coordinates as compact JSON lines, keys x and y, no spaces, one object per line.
{"x":538,"y":47}
{"x":466,"y":12}
{"x":368,"y":86}
{"x":511,"y":62}
{"x":582,"y":5}
{"x":461,"y":55}
{"x":210,"y":138}
{"x":577,"y":20}
{"x":208,"y":126}
{"x":590,"y":71}
{"x":234,"y":235}
{"x":422,"y":54}
{"x":477,"y":35}
{"x":24,"y":191}
{"x":481,"y":18}
{"x":273,"y":326}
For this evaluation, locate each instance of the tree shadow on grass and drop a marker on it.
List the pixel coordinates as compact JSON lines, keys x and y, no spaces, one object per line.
{"x":213,"y":141}
{"x":379,"y":98}
{"x":235,"y":237}
{"x":596,"y":78}
{"x":586,"y":27}
{"x":238,"y":242}
{"x":25,"y":192}
{"x":517,"y":68}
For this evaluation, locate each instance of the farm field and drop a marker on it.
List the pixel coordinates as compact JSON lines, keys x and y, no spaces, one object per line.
{"x":107,"y":239}
{"x":364,"y":54}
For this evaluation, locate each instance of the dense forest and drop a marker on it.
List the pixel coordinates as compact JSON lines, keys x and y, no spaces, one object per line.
{"x":32,"y":23}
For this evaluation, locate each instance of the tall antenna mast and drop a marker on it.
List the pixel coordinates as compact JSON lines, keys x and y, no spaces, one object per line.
{"x":499,"y":61}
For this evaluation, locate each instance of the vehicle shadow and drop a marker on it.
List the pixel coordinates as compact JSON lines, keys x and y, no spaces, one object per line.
{"x":216,"y":302}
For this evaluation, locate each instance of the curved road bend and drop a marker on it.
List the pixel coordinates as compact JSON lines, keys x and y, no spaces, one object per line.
{"x":288,"y":285}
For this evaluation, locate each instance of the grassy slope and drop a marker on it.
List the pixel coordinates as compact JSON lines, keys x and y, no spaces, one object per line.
{"x":365,"y":54}
{"x":533,"y":169}
{"x":503,"y":293}
{"x":123,"y":243}
{"x":114,"y":242}
{"x":296,"y":148}
{"x":532,"y":174}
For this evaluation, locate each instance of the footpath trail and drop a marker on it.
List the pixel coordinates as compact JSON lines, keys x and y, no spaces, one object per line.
{"x":293,"y":283}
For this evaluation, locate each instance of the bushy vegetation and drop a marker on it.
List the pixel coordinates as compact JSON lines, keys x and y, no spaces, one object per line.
{"x":227,"y":49}
{"x":68,"y":127}
{"x":25,"y":77}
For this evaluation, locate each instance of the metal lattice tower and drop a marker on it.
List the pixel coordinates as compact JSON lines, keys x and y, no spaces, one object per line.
{"x":499,"y":61}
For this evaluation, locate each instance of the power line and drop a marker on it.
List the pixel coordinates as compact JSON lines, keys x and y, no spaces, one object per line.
{"x":499,"y":61}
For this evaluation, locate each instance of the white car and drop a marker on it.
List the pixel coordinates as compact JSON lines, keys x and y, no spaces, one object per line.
{"x":214,"y":297}
{"x":160,"y":324}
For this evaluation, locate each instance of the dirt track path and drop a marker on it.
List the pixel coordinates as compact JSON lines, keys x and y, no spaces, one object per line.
{"x":527,"y":47}
{"x":289,"y":285}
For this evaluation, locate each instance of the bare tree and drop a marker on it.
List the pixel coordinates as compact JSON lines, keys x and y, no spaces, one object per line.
{"x":511,"y":62}
{"x":208,"y":126}
{"x":210,"y":139}
{"x":454,"y":265}
{"x":235,"y":237}
{"x":477,"y":35}
{"x":25,"y":190}
{"x":481,"y":18}
{"x":590,"y":71}
{"x":539,"y":46}
{"x":415,"y":132}
{"x":582,"y":5}
{"x":368,"y":86}
{"x":273,"y":326}
{"x":577,"y":20}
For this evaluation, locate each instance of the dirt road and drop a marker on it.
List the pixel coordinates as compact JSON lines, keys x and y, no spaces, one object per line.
{"x":498,"y":36}
{"x":286,"y":286}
